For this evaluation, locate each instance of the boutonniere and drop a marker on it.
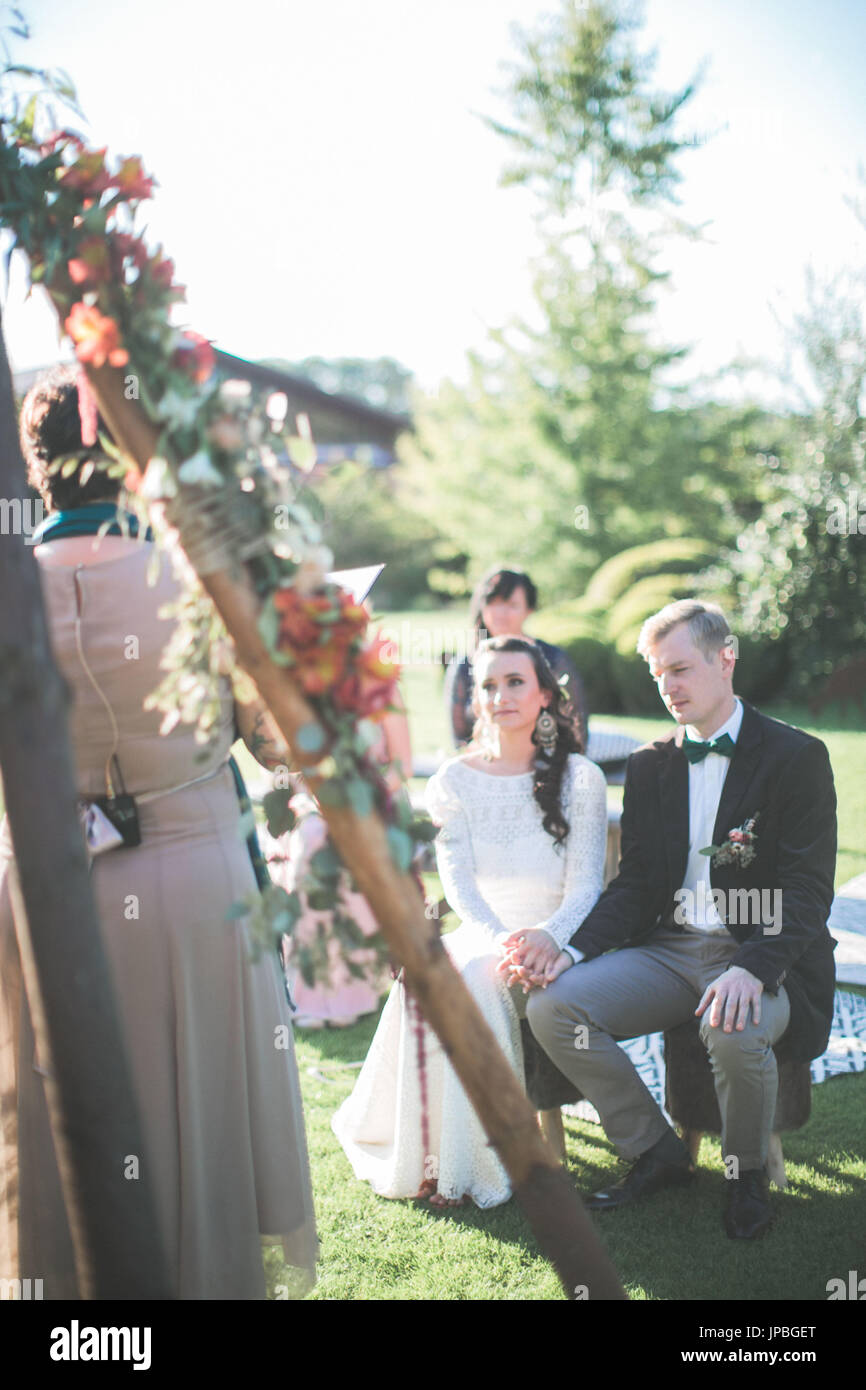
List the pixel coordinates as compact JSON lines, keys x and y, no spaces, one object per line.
{"x":738,"y":850}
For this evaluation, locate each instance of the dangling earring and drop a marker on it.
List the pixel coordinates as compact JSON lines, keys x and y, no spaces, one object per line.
{"x":545,"y":730}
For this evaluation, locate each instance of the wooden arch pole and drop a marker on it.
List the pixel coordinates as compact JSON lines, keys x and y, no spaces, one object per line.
{"x":562,"y":1227}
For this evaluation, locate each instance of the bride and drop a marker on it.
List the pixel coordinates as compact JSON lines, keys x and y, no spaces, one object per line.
{"x":521,"y":847}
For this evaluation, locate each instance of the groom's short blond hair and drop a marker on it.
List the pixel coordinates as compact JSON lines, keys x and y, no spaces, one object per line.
{"x":707,"y":624}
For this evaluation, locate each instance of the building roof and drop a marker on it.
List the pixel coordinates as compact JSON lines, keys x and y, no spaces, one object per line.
{"x":363,"y":422}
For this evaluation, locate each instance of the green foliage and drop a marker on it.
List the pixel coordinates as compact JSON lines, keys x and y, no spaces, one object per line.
{"x":367,"y":523}
{"x":279,"y":817}
{"x":381,"y":382}
{"x":592,"y":658}
{"x":565,"y":448}
{"x":600,"y":630}
{"x":583,"y":105}
{"x":643,"y":599}
{"x":799,"y":571}
{"x":616,"y":576}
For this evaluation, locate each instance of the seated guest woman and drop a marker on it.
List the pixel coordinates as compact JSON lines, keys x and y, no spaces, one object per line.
{"x":336,"y":998}
{"x":502,"y":602}
{"x":521,"y":847}
{"x":219,"y":1102}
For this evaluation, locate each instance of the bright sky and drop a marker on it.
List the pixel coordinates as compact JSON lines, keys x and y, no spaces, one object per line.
{"x":326,"y":185}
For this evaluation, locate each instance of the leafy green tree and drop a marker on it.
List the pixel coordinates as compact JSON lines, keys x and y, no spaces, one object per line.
{"x":799,"y":571}
{"x":380,"y":381}
{"x":365,"y":523}
{"x":587,"y":124}
{"x":565,"y":448}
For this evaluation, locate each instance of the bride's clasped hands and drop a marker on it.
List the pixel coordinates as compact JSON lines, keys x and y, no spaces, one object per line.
{"x":532,"y":960}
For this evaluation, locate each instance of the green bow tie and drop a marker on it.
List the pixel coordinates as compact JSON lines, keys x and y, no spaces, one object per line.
{"x":696,"y":751}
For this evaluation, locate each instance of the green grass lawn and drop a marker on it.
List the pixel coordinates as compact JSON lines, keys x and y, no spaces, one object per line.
{"x":673,"y":1247}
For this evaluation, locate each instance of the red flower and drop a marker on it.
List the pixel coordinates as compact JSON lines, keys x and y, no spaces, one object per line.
{"x":68,"y":137}
{"x":317,"y":636}
{"x":161,"y":271}
{"x":369,"y":688}
{"x":301,"y":619}
{"x":88,"y":174}
{"x":195,"y":356}
{"x":92,"y":264}
{"x":96,"y":337}
{"x":128,"y":247}
{"x":322,"y":667}
{"x":131,"y":180}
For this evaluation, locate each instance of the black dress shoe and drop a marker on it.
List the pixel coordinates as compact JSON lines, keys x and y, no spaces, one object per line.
{"x":748,"y":1213}
{"x":666,"y":1164}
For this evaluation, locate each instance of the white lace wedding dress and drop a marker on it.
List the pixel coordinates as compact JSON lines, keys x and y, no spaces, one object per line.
{"x":501,"y":871}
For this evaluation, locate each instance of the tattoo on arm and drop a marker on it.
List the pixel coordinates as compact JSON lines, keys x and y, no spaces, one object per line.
{"x":264,"y":744}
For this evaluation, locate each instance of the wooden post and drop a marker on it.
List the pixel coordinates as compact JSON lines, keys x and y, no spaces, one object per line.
{"x":562,"y":1227}
{"x":93,"y":1118}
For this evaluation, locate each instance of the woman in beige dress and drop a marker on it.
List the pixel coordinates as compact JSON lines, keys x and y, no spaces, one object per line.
{"x":207,"y":1030}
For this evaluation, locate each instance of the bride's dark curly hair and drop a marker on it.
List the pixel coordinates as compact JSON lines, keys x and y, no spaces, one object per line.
{"x":547,"y":787}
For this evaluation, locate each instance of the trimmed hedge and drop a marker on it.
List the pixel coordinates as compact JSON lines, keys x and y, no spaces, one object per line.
{"x":566,"y":626}
{"x":645,"y":597}
{"x":600,"y":629}
{"x":620,"y":573}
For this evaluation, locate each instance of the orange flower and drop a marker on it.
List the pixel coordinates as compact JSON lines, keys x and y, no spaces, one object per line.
{"x":301,"y":619}
{"x":88,"y":174}
{"x":91,"y":266}
{"x":353,"y":618}
{"x":131,"y":180}
{"x":369,"y":688}
{"x":308,"y":619}
{"x":322,"y":667}
{"x":96,"y":337}
{"x":58,"y":137}
{"x":195,"y":356}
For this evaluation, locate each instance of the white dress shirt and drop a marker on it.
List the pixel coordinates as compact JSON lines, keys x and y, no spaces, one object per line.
{"x":706,"y":779}
{"x":696,"y":909}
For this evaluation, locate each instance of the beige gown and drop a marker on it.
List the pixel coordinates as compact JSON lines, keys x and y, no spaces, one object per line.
{"x":208,"y":1031}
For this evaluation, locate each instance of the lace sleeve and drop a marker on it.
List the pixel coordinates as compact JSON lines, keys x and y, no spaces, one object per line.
{"x":585,"y":851}
{"x":454,"y":858}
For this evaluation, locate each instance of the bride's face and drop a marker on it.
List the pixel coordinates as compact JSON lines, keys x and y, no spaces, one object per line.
{"x":507,"y":690}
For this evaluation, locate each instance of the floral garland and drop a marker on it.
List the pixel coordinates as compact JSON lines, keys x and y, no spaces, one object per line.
{"x":74,"y":215}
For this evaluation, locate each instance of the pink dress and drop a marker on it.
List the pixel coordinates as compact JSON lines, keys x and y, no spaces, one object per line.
{"x":341,"y":996}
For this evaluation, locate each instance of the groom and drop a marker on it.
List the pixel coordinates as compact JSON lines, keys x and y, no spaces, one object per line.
{"x":738,"y":938}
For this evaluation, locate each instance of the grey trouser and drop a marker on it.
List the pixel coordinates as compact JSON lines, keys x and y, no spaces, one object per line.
{"x":646,"y":989}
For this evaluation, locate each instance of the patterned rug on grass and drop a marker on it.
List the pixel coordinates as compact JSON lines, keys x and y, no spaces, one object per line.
{"x":846,"y":1052}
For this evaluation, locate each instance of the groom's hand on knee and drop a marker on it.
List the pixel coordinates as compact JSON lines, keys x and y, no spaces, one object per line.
{"x":731,"y":998}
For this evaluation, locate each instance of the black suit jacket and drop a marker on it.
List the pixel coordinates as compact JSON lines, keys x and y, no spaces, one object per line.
{"x":782,"y":776}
